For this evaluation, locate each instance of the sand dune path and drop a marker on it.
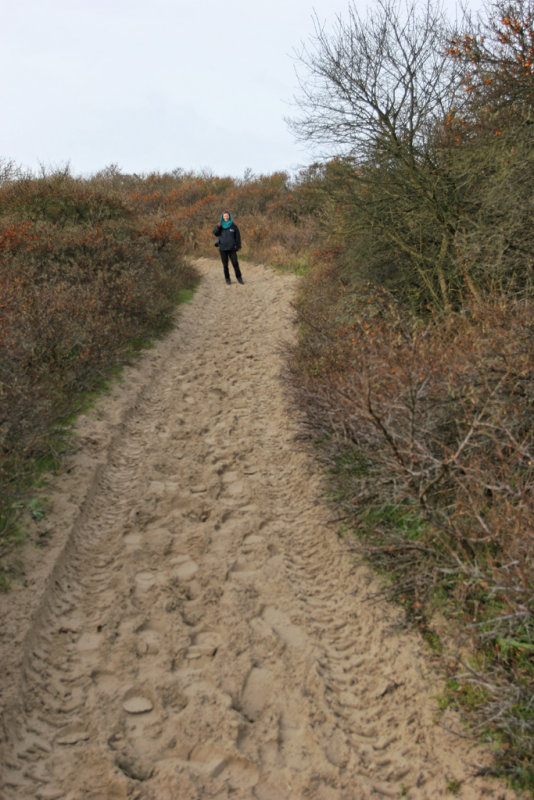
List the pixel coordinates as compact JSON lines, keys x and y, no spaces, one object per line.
{"x":196,"y":629}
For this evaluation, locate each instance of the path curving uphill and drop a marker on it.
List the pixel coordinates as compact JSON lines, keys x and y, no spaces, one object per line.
{"x":196,"y":629}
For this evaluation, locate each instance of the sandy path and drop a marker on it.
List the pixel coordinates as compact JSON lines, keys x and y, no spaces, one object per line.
{"x":198,"y":630}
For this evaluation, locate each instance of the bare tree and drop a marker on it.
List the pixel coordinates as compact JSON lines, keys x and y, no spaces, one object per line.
{"x":376,"y":91}
{"x":375,"y":84}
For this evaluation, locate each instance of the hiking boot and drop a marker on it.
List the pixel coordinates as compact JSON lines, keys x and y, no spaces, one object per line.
{"x":228,"y":281}
{"x":240,"y":280}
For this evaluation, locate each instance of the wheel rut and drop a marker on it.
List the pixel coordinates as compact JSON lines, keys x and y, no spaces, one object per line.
{"x":198,"y":630}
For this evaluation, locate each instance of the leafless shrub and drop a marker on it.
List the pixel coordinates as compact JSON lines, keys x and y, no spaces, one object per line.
{"x":433,"y":457}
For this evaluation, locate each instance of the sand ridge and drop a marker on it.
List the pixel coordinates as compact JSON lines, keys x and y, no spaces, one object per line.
{"x":196,"y":629}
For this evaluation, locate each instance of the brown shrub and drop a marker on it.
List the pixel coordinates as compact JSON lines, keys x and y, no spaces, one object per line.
{"x":79,"y":287}
{"x":429,"y":433}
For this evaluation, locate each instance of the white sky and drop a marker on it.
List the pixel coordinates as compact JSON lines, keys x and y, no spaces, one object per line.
{"x":151,"y":85}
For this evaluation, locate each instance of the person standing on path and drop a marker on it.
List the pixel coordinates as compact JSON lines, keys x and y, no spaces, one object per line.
{"x":229,"y":243}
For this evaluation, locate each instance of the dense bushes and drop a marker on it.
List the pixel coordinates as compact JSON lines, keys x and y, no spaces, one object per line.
{"x":83,"y":278}
{"x":432,"y":130}
{"x":415,"y":365}
{"x":427,"y":432}
{"x":276,"y":228}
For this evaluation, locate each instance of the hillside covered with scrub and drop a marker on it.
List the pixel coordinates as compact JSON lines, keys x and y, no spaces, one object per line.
{"x":414,"y":369}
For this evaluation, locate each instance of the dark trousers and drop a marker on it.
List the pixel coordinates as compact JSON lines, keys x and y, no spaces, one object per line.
{"x":235,"y":263}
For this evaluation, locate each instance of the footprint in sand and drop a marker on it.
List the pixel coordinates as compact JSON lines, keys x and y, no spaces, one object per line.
{"x":238,"y":655}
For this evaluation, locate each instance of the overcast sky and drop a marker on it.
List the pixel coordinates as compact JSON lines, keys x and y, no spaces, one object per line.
{"x":152,"y":85}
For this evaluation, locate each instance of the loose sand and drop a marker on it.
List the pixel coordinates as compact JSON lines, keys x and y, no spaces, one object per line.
{"x":195,"y":629}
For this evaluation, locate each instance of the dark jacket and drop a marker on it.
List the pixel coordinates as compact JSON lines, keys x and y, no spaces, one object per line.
{"x":229,"y":238}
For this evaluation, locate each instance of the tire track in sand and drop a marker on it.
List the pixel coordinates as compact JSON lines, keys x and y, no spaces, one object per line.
{"x":202,"y":633}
